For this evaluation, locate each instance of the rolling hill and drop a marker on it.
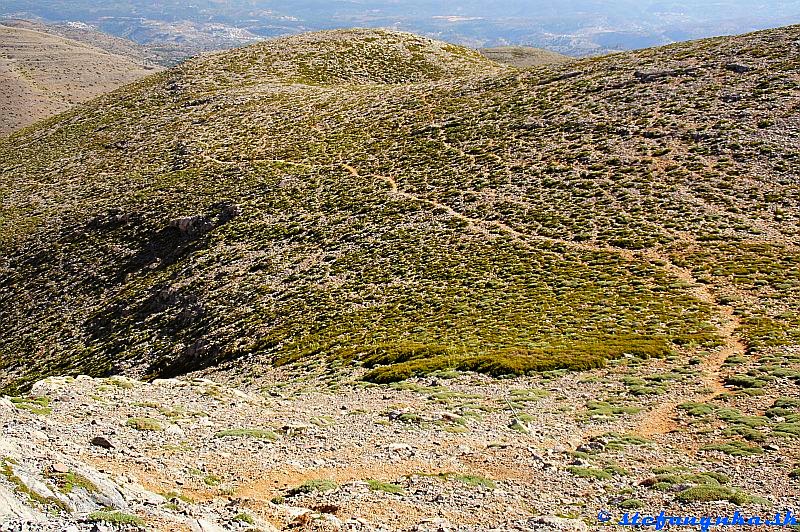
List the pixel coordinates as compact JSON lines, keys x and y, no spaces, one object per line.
{"x":367,"y":198}
{"x":93,"y":37}
{"x":42,"y":74}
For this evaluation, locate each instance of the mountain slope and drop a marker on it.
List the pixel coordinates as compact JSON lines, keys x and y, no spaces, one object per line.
{"x":373,"y":197}
{"x":43,"y":74}
{"x":524,"y":56}
{"x":89,"y":35}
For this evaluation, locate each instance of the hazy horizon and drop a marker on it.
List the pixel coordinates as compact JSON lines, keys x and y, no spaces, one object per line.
{"x":577,"y":27}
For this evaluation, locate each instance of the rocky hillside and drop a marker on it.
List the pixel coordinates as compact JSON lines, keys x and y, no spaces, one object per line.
{"x":89,"y":35}
{"x":369,"y":198}
{"x":392,"y":253}
{"x":42,"y":74}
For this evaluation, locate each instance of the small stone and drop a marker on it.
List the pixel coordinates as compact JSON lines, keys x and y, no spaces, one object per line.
{"x":174,"y":430}
{"x":436,"y":524}
{"x":738,"y":68}
{"x":39,"y":435}
{"x":100,"y":441}
{"x":201,"y":525}
{"x":558,"y":523}
{"x":58,"y":467}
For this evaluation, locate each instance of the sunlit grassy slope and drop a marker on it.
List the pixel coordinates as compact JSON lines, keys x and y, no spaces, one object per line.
{"x":367,"y":197}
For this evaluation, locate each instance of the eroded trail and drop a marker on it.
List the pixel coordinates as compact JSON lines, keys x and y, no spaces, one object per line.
{"x":660,"y":419}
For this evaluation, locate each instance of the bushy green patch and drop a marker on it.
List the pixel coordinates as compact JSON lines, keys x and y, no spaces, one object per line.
{"x":745,"y":381}
{"x":607,"y":409}
{"x":66,"y":482}
{"x":314,"y":485}
{"x":734,"y":448}
{"x":631,"y":504}
{"x":388,"y":487}
{"x":410,"y":417}
{"x":786,"y":402}
{"x":731,"y":415}
{"x":469,"y":479}
{"x":244,"y":517}
{"x":697,"y":409}
{"x":472,"y":480}
{"x":115,"y":518}
{"x":589,"y":472}
{"x":614,"y":441}
{"x":697,"y":487}
{"x":639,"y":390}
{"x":258,"y":434}
{"x":787,"y":430}
{"x":34,"y":405}
{"x":745,"y":432}
{"x":120,"y":382}
{"x":144,"y":424}
{"x":402,"y":362}
{"x":212,"y":480}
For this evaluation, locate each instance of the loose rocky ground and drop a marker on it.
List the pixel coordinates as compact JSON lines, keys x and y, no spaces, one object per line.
{"x":448,"y":452}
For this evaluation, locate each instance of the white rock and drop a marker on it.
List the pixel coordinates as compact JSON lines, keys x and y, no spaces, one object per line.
{"x":558,"y":524}
{"x":201,"y":525}
{"x":12,"y":508}
{"x":174,"y":430}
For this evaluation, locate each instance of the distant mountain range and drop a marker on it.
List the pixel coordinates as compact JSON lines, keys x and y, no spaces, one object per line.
{"x":575,"y":27}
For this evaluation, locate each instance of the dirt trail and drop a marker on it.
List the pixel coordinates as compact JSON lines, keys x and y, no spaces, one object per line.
{"x":659,"y":420}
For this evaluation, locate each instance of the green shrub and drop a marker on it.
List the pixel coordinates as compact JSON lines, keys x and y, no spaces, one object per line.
{"x":388,"y":487}
{"x":744,"y":381}
{"x":697,"y":409}
{"x":473,"y":480}
{"x":66,"y":482}
{"x":244,"y":517}
{"x":311,"y":486}
{"x":788,"y":430}
{"x":734,"y":448}
{"x":144,"y":424}
{"x":579,"y":356}
{"x":34,"y":405}
{"x":631,"y":504}
{"x":589,"y":472}
{"x":258,"y":434}
{"x":116,"y":518}
{"x":713,"y":493}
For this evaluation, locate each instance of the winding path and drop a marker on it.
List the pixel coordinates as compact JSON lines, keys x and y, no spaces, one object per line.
{"x":659,"y":420}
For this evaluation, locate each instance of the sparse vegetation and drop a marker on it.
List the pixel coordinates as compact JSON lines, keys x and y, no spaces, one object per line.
{"x":388,"y":487}
{"x":259,"y":434}
{"x":734,"y":448}
{"x":115,"y":518}
{"x":34,"y":405}
{"x":313,"y":485}
{"x":144,"y":424}
{"x":589,"y":472}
